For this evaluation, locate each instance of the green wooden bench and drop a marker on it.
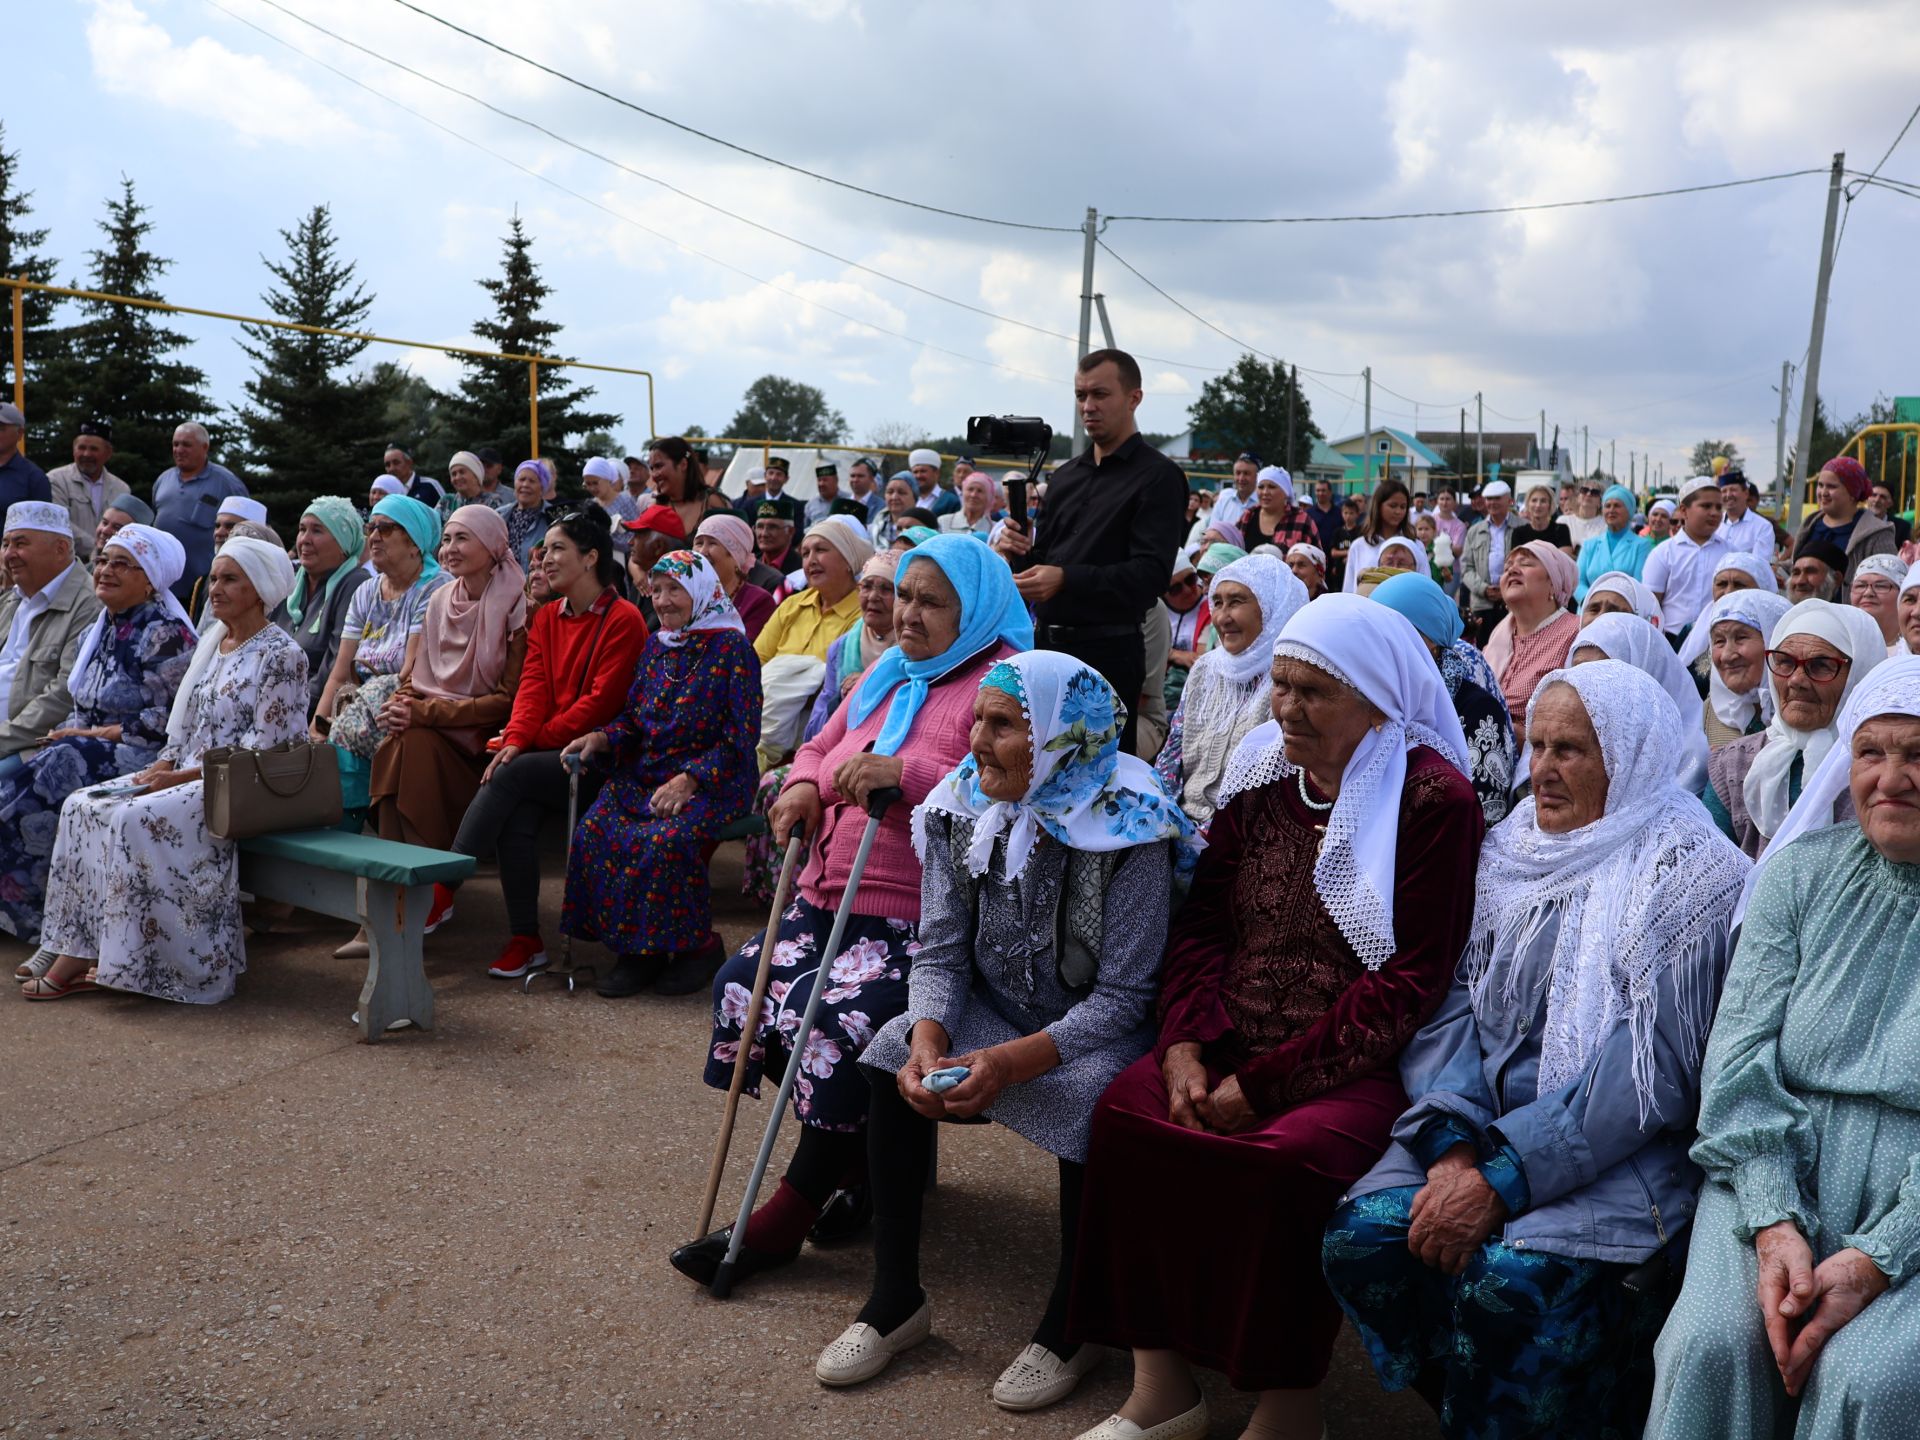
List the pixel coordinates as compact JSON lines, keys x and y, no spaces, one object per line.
{"x":380,"y":884}
{"x":744,"y":828}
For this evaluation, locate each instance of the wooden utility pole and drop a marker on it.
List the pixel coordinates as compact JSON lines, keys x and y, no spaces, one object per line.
{"x":1810,"y":397}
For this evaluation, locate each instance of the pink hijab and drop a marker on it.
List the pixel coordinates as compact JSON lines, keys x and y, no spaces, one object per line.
{"x":463,"y":641}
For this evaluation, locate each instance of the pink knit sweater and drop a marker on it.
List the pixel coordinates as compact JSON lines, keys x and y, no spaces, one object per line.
{"x":937,"y":743}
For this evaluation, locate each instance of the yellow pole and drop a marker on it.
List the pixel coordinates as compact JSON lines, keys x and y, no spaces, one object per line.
{"x":533,"y":407}
{"x":20,"y":346}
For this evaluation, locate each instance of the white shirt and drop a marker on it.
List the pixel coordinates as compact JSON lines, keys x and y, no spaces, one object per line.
{"x":1681,"y":574}
{"x":1750,"y":534}
{"x":1228,"y":508}
{"x":1580,"y":531}
{"x":14,"y":651}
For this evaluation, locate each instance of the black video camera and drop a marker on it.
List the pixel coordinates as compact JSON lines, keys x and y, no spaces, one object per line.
{"x":1026,"y":435}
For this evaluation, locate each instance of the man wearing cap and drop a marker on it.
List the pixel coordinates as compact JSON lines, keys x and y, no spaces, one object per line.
{"x":864,"y":481}
{"x":1680,"y":572}
{"x":1230,"y":505}
{"x":234,"y":510}
{"x":773,"y":537}
{"x":1484,"y":557}
{"x":652,"y":533}
{"x":1816,"y":571}
{"x":1843,"y":521}
{"x":44,"y":615}
{"x":639,"y":479}
{"x":87,"y":487}
{"x":826,"y":478}
{"x":1183,"y":610}
{"x":778,"y":469}
{"x":20,"y":478}
{"x":186,"y":501}
{"x":934,"y":497}
{"x":748,"y":505}
{"x":975,"y":514}
{"x":1744,"y":529}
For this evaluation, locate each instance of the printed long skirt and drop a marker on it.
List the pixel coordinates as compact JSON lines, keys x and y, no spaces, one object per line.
{"x":761,"y":872}
{"x":634,"y":879}
{"x":867,"y":987}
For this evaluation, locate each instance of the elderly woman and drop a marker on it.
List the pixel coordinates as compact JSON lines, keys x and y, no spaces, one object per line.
{"x":136,"y":887}
{"x":1618,"y":593}
{"x":1624,"y":638}
{"x":1819,"y":652}
{"x":1876,"y":590}
{"x":382,"y":487}
{"x":328,"y":546}
{"x":1535,"y":585}
{"x":1387,"y":510}
{"x":1321,"y":932}
{"x":891,"y":522}
{"x":1475,"y":694}
{"x":455,"y":692}
{"x":681,"y":757}
{"x":1309,"y":566}
{"x":1731,"y":641}
{"x":1398,"y":555}
{"x":1795,"y":1316}
{"x":1909,"y":610}
{"x":124,"y":677}
{"x":850,"y":655}
{"x":1048,"y":861}
{"x":527,"y":521}
{"x":727,"y":543}
{"x":1228,"y":692}
{"x":606,"y":487}
{"x":907,"y":725}
{"x":1614,"y":549}
{"x":1544,"y":1153}
{"x":793,"y":646}
{"x":1742,"y":571}
{"x":403,"y":536}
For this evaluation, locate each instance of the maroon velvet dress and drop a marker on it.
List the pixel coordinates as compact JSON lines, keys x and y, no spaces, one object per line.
{"x":1209,"y":1245}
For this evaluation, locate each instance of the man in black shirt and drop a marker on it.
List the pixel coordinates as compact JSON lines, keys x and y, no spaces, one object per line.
{"x":1102,"y":551}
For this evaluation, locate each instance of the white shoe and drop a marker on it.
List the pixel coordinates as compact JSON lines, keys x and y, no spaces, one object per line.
{"x":1190,"y":1426}
{"x":1038,"y":1377}
{"x":862,"y":1352}
{"x":35,"y":966}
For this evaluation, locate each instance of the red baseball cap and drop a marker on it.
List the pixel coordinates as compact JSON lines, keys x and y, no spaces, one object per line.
{"x":662,"y":518}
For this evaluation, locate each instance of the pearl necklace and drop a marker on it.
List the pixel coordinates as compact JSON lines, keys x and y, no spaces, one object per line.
{"x":1300,"y":780}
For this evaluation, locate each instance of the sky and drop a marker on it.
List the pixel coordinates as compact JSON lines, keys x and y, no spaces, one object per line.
{"x":1645,"y":326}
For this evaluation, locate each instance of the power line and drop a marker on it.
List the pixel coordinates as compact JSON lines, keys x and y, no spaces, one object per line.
{"x":727,"y":144}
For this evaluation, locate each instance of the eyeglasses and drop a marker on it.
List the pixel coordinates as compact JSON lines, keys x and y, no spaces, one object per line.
{"x":114,"y":566}
{"x":1590,"y":490}
{"x":381,"y":527}
{"x":1820,"y":668}
{"x":1185,"y":582}
{"x":570,"y":517}
{"x":1875,"y":587}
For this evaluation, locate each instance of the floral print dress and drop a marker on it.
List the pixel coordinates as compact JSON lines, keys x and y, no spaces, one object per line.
{"x":136,"y":883}
{"x":129,"y":681}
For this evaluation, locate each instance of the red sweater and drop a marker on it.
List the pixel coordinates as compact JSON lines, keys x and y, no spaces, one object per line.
{"x":577,"y":673}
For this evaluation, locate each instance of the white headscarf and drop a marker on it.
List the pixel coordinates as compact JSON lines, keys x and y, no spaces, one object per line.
{"x":271,"y":574}
{"x":1650,"y":885}
{"x":163,"y":560}
{"x":1421,"y":565}
{"x":1617,"y":582}
{"x":1757,"y":610}
{"x":1753,"y":567}
{"x":1377,"y":652}
{"x":1887,"y":567}
{"x":1894,"y":689}
{"x":1855,"y":634}
{"x":1625,"y":638}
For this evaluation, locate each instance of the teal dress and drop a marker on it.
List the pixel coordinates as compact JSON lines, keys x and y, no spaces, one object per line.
{"x":1810,"y":1113}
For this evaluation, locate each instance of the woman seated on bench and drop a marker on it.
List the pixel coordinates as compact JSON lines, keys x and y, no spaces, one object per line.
{"x":682,"y":760}
{"x":137,"y":888}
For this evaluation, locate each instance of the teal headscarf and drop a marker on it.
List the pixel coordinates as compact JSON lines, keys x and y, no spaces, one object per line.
{"x":336,"y":512}
{"x":422,"y":525}
{"x":920,"y":534}
{"x":990,"y":609}
{"x":1425,"y":605}
{"x":1623,"y":495}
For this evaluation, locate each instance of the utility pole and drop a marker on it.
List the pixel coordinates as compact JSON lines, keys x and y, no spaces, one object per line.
{"x":1460,"y":455}
{"x":1479,"y":441}
{"x":1613,"y":460}
{"x":1586,"y":470}
{"x":1106,"y":325}
{"x":1293,"y":389}
{"x":1810,"y":398}
{"x":1543,"y":432}
{"x":1632,"y":478}
{"x":1780,"y":431}
{"x":1091,"y":231}
{"x":1367,"y":444}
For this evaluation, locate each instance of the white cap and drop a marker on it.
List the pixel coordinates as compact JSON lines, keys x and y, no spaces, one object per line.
{"x":1278,"y":475}
{"x":242,"y":507}
{"x":39,"y":515}
{"x":1697,"y":484}
{"x":1495,"y":490}
{"x":924,"y":457}
{"x":601,"y":468}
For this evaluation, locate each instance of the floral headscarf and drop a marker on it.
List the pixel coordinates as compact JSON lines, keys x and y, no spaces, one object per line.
{"x":712,"y":610}
{"x":1083,"y":792}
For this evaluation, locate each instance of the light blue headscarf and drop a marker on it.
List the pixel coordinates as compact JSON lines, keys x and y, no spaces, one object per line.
{"x":422,"y":524}
{"x":1424,"y":603}
{"x":990,"y":609}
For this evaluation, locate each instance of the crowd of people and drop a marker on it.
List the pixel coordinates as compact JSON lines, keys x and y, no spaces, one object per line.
{"x":1491,"y":928}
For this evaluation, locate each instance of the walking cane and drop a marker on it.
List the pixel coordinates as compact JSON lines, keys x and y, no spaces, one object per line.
{"x":877,"y":803}
{"x":763,"y":976}
{"x":566,"y":970}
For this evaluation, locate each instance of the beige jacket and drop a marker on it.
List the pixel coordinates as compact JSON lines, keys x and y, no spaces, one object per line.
{"x":70,"y":489}
{"x":38,"y":699}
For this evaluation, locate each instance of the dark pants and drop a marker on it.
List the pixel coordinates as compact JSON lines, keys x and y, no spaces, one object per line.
{"x":1121,"y":661}
{"x":504,"y":821}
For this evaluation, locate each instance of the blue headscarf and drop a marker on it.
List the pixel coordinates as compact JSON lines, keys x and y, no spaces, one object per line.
{"x":1424,"y":604}
{"x":1623,"y":495}
{"x":990,"y":609}
{"x":422,"y":525}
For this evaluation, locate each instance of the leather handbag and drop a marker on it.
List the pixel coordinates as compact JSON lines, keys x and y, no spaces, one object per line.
{"x":291,"y":786}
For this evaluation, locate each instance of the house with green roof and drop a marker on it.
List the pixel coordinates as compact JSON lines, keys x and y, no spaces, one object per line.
{"x":1391,"y":452}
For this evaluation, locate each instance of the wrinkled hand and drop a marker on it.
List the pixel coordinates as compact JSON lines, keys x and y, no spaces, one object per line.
{"x":162,"y":774}
{"x":1452,"y":1218}
{"x":500,"y":757}
{"x":1011,"y":541}
{"x":1844,"y":1284}
{"x":1040,"y":582}
{"x":1186,"y":1079}
{"x":672,"y":797}
{"x":1227,"y":1111}
{"x":1786,"y":1273}
{"x":589,"y":746}
{"x":858,"y":776}
{"x":992,"y":1073}
{"x":927,"y":1042}
{"x":799,"y":804}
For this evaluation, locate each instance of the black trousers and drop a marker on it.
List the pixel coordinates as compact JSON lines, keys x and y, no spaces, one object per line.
{"x":504,"y":821}
{"x":1120,"y":659}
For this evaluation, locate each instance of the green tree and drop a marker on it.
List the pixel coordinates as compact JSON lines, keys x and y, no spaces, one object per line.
{"x":20,"y":256}
{"x":411,"y":411}
{"x":117,"y":363}
{"x":1707,"y":451}
{"x":776,"y":408}
{"x":311,"y":427}
{"x":1246,"y":409}
{"x":492,"y":401}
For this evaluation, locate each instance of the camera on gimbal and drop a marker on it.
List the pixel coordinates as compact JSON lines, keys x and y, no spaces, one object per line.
{"x":1013,"y":435}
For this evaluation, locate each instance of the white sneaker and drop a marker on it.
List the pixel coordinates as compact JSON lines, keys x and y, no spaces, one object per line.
{"x":1190,"y":1426}
{"x":862,"y":1352}
{"x":1037,"y":1377}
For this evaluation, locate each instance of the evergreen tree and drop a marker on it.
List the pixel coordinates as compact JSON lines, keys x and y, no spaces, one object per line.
{"x":1247,"y":408}
{"x":20,"y":257}
{"x":118,"y":361}
{"x":492,"y":402}
{"x":311,"y":428}
{"x":418,"y":416}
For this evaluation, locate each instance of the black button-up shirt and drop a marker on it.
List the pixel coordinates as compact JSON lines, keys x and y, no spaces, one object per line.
{"x":1113,"y":527}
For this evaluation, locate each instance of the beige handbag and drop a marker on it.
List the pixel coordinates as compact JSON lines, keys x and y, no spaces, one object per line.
{"x":292,"y":786}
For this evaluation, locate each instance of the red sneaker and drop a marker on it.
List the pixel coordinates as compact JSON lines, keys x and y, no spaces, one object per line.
{"x":441,"y":910}
{"x":523,"y":953}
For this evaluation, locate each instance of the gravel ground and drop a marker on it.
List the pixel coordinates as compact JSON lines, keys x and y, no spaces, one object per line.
{"x":235,"y":1221}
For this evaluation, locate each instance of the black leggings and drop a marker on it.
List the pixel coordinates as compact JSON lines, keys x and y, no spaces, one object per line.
{"x":504,"y":821}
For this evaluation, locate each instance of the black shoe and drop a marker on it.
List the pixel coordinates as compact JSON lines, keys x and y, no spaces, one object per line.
{"x":692,"y":970}
{"x":630,"y":975}
{"x":699,"y":1260}
{"x":848,"y":1213}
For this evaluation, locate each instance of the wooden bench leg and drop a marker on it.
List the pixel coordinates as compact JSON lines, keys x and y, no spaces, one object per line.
{"x":396,"y":986}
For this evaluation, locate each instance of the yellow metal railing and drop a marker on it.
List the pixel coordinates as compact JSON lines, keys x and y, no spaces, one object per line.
{"x":1900,"y":436}
{"x":19,"y":285}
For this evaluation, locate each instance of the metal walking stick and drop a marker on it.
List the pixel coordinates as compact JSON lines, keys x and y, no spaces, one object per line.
{"x":763,"y":976}
{"x":566,"y":971}
{"x":877,"y":803}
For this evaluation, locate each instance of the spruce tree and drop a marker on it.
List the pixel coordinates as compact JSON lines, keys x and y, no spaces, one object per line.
{"x":493,"y":394}
{"x":20,"y":259}
{"x":117,"y":362}
{"x":311,"y":427}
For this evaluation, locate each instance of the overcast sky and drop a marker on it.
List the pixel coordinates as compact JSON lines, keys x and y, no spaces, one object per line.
{"x":1653,"y":323}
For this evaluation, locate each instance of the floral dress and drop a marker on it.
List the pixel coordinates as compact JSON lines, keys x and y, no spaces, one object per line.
{"x":1491,"y":751}
{"x":634,"y":880}
{"x":136,"y":883}
{"x":380,"y":629}
{"x":129,"y":681}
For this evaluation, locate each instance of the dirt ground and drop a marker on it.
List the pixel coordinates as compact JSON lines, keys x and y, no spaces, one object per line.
{"x":236,"y":1221}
